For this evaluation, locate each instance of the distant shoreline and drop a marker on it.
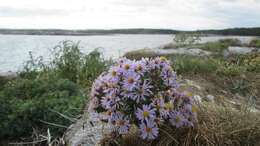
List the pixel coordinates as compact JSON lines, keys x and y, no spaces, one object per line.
{"x":59,"y":32}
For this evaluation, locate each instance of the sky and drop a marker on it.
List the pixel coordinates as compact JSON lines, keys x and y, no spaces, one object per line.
{"x":111,"y":14}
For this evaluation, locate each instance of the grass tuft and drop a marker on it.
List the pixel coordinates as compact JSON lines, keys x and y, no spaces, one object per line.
{"x":217,"y":126}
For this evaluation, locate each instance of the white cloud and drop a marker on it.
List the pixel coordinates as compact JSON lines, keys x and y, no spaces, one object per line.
{"x":85,"y":14}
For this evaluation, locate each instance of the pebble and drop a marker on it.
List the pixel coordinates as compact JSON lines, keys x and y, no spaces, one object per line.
{"x":210,"y":98}
{"x":197,"y":98}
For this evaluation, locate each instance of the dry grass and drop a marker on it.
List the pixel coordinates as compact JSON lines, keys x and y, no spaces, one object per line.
{"x":217,"y":126}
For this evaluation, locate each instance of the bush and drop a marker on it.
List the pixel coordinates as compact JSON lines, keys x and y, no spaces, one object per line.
{"x":25,"y":103}
{"x":184,"y":39}
{"x":255,"y":43}
{"x":71,"y":64}
{"x":42,"y":90}
{"x":230,"y":42}
{"x":219,"y":46}
{"x":184,"y":64}
{"x":141,"y":93}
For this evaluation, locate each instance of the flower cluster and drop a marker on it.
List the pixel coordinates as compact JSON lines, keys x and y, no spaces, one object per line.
{"x":142,"y":93}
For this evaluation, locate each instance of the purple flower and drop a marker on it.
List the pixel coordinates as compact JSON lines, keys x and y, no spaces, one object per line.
{"x":142,"y":91}
{"x":106,"y":102}
{"x":112,"y":91}
{"x":131,"y":80}
{"x":127,"y":66}
{"x":114,"y":74}
{"x":122,"y":124}
{"x":177,"y":119}
{"x":110,"y":102}
{"x":94,"y":116}
{"x":149,"y":130}
{"x":94,"y":103}
{"x":146,"y":113}
{"x":169,"y":76}
{"x":159,"y":104}
{"x":140,"y":67}
{"x":155,"y":63}
{"x":96,"y":87}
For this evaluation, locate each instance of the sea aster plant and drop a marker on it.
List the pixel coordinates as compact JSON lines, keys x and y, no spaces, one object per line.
{"x":142,"y":93}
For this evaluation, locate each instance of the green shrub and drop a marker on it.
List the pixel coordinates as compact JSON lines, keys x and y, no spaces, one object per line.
{"x":186,"y":64}
{"x":44,"y":89}
{"x":255,"y":43}
{"x":230,"y":42}
{"x":24,"y":103}
{"x":250,"y":62}
{"x":220,"y":46}
{"x":214,"y":47}
{"x":186,"y":39}
{"x":3,"y":81}
{"x":230,"y":69}
{"x":71,"y":64}
{"x":93,"y":66}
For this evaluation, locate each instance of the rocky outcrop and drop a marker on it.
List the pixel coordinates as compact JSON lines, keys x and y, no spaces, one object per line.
{"x":8,"y":75}
{"x":242,"y":50}
{"x":85,"y":132}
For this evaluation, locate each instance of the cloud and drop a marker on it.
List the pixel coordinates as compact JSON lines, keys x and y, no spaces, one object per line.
{"x":6,"y":11}
{"x":174,"y":14}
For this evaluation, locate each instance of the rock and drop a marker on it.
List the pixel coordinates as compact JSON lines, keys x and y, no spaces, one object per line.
{"x":8,"y":75}
{"x":85,"y":133}
{"x":187,"y":51}
{"x":197,"y":98}
{"x":240,"y":50}
{"x":192,"y":83}
{"x":210,"y":98}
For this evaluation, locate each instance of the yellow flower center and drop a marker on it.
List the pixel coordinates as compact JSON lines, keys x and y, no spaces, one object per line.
{"x":157,"y":106}
{"x":177,"y":119}
{"x":148,"y":129}
{"x":194,"y":109}
{"x":130,"y":80}
{"x":127,"y":67}
{"x":189,"y":94}
{"x":113,"y":73}
{"x":168,"y":105}
{"x":146,"y":114}
{"x":139,"y":68}
{"x":120,"y":122}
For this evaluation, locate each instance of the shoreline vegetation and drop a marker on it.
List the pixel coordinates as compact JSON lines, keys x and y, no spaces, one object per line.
{"x":41,"y":102}
{"x":231,"y":31}
{"x":226,"y":89}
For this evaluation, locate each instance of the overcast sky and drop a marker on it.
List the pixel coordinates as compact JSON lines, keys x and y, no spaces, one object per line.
{"x":108,"y":14}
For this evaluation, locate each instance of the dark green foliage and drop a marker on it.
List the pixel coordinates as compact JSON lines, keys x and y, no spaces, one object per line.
{"x":28,"y":101}
{"x":230,"y":42}
{"x":3,"y":81}
{"x":234,"y":31}
{"x":43,"y":91}
{"x":187,"y":64}
{"x":70,"y":63}
{"x":186,"y":39}
{"x":254,"y":31}
{"x":219,"y":46}
{"x":255,"y":43}
{"x":67,"y":60}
